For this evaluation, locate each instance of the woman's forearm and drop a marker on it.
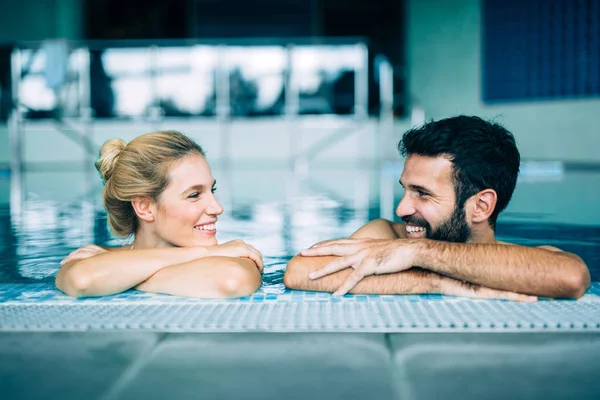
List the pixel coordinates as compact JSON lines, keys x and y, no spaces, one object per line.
{"x":210,"y":277}
{"x":116,"y":271}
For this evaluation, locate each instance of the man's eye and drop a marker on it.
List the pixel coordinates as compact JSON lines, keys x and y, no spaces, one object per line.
{"x":422,"y":194}
{"x":194,"y":195}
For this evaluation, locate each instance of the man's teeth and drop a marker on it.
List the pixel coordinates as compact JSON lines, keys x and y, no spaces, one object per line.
{"x":209,"y":227}
{"x":414,"y":229}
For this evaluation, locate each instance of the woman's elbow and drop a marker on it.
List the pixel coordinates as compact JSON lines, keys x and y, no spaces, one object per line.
{"x":73,"y":283}
{"x":240,"y":281}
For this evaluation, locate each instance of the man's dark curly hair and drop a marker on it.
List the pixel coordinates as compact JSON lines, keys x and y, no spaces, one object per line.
{"x":483,"y":153}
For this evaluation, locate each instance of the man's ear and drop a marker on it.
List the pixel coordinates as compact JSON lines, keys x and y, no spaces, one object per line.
{"x":144,"y":208}
{"x":485,"y":204}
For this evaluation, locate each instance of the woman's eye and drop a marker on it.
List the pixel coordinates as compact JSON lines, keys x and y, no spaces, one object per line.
{"x":194,"y":195}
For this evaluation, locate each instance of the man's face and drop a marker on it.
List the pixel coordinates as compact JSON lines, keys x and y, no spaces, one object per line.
{"x":428,"y":207}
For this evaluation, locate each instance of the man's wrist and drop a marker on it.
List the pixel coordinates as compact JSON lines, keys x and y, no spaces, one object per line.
{"x":417,"y":251}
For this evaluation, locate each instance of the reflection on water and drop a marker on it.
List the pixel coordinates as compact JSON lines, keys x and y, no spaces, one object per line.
{"x":55,"y":222}
{"x":51,"y":229}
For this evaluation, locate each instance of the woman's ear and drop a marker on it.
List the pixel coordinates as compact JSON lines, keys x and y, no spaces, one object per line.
{"x":485,"y":204}
{"x":144,"y":208}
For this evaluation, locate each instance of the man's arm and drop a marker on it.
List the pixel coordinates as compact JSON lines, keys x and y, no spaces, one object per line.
{"x":417,"y":281}
{"x":412,"y":281}
{"x":541,"y":271}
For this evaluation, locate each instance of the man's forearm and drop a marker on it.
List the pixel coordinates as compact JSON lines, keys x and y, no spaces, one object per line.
{"x":514,"y":268}
{"x":412,"y":281}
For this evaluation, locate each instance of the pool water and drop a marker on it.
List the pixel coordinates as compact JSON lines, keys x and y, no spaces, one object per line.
{"x":56,"y":212}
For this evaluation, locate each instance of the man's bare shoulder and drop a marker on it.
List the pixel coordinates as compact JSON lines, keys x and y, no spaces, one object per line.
{"x":400,"y":229}
{"x":379,"y":229}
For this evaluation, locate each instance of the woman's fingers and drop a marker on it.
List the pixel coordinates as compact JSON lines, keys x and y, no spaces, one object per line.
{"x":83,"y":252}
{"x":238,"y":248}
{"x":255,"y":255}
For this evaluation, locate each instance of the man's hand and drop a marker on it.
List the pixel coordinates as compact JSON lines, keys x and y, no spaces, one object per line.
{"x":458,"y":288}
{"x":385,"y":256}
{"x":365,"y":256}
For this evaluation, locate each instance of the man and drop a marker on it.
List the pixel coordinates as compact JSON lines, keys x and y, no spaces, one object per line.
{"x":459,"y":174}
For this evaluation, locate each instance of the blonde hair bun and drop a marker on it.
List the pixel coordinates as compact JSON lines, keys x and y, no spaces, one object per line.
{"x":109,"y":155}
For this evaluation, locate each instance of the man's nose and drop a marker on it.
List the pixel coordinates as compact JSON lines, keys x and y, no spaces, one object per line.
{"x":405,"y":207}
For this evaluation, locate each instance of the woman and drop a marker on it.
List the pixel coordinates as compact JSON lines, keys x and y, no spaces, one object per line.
{"x":159,"y":189}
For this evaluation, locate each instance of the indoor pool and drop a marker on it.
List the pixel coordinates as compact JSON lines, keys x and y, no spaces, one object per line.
{"x":290,"y":344}
{"x":58,"y":211}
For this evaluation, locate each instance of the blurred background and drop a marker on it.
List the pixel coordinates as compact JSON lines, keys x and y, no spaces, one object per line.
{"x":299,"y":105}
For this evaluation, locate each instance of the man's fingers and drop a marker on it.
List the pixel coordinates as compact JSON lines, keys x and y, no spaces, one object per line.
{"x":352,"y":281}
{"x":329,"y":250}
{"x":334,"y":266}
{"x":324,"y":243}
{"x":517,"y":297}
{"x":335,"y":242}
{"x":473,"y":291}
{"x":487,"y":293}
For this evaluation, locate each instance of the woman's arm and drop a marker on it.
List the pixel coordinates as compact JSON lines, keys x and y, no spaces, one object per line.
{"x":209,"y":277}
{"x":94,"y":271}
{"x":115,"y":271}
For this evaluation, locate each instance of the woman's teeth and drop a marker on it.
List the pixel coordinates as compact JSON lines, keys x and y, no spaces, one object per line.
{"x":414,"y":229}
{"x":209,"y":227}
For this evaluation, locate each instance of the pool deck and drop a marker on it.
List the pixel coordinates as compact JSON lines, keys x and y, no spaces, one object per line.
{"x":154,"y":365}
{"x":138,"y":345}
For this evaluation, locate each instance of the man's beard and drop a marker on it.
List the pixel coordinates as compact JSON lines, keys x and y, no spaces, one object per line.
{"x":454,"y":229}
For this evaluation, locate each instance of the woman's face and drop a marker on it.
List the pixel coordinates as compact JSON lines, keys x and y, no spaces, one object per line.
{"x":187,"y":209}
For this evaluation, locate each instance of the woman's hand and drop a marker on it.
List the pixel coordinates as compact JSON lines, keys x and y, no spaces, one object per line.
{"x":83,"y":252}
{"x":239,"y":249}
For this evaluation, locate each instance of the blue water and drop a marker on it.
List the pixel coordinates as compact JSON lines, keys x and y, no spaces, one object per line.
{"x":60,"y":211}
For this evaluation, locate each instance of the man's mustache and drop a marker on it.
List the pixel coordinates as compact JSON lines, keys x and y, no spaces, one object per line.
{"x":411,"y":219}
